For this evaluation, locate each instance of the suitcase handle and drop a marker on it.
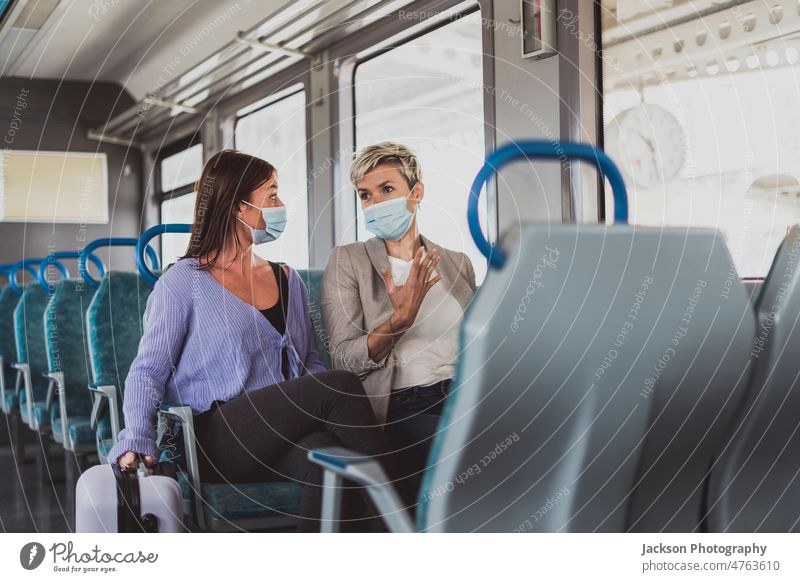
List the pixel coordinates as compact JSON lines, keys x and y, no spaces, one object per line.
{"x":544,"y":150}
{"x":128,"y":500}
{"x":129,"y":515}
{"x":142,"y":469}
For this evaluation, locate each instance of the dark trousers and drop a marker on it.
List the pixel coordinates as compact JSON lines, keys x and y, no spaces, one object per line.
{"x":411,"y":424}
{"x":265,"y":436}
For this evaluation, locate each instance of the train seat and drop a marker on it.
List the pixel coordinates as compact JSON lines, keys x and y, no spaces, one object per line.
{"x":68,"y":362}
{"x":598,"y":378}
{"x":754,"y":485}
{"x":8,"y":350}
{"x":599,"y":369}
{"x":596,"y":381}
{"x":222,"y":507}
{"x":114,"y":328}
{"x":313,"y":281}
{"x":32,"y":355}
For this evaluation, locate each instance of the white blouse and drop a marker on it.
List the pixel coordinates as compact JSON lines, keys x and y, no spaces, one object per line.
{"x":427,"y":352}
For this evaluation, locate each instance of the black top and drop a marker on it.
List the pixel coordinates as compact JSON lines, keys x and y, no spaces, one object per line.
{"x":276,"y":314}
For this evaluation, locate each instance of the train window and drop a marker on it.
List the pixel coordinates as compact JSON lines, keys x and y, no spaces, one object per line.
{"x":703,"y":119}
{"x":277,"y":133}
{"x":179,"y":167}
{"x":176,"y":209}
{"x":426,"y":94}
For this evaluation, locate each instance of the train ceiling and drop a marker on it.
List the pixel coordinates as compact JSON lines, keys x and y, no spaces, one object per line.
{"x":648,"y":42}
{"x":176,"y":57}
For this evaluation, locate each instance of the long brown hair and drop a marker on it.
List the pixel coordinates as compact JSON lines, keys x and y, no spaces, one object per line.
{"x":228,"y":178}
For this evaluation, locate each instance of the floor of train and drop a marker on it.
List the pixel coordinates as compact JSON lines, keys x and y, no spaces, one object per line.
{"x":30,"y":499}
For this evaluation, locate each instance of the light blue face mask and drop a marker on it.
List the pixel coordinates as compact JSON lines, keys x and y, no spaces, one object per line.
{"x":389,"y":220}
{"x":274,"y":218}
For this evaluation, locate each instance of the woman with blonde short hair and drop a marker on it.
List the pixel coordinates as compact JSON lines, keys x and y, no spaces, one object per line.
{"x":393,"y":304}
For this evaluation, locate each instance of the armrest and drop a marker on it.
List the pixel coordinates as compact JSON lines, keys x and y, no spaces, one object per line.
{"x":19,"y":383}
{"x":102,"y":393}
{"x":57,"y":379}
{"x":184,"y":415}
{"x":24,"y":370}
{"x":52,"y":377}
{"x":99,"y":400}
{"x":340,"y":463}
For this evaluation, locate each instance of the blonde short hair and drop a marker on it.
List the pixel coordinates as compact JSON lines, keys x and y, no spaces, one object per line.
{"x":386,"y":152}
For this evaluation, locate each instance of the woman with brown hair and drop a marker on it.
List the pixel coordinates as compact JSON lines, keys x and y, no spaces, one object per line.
{"x":229,"y":334}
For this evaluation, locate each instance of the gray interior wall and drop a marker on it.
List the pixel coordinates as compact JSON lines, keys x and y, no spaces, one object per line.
{"x":548,"y":99}
{"x":527,"y":106}
{"x":56,"y":117}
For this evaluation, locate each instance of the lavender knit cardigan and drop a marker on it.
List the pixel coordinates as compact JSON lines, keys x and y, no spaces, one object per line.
{"x":202,"y":343}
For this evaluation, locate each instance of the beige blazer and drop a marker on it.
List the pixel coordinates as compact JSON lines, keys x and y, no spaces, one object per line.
{"x":354,"y":302}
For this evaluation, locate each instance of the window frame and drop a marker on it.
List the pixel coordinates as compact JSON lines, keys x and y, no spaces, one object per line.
{"x":268,"y":102}
{"x":352,"y":70}
{"x":280,"y":91}
{"x":349,"y":54}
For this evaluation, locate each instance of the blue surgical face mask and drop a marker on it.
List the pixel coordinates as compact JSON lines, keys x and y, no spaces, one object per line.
{"x":389,"y":220}
{"x":274,"y":218}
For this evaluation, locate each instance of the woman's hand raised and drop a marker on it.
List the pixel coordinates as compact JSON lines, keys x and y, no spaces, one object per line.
{"x":407,"y":298}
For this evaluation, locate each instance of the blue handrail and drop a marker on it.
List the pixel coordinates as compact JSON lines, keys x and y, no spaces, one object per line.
{"x":5,"y":269}
{"x":26,"y":264}
{"x":545,"y":150}
{"x":52,"y":259}
{"x":109,"y":242}
{"x":146,"y":237}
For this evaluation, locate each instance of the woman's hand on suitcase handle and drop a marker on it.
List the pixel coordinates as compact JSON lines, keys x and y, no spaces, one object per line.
{"x":129,"y":461}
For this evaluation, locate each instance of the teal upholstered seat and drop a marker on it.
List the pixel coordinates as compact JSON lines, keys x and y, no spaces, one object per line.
{"x":186,"y":488}
{"x":114,"y":325}
{"x":39,"y":411}
{"x":313,"y":280}
{"x":11,"y":401}
{"x":114,"y":328}
{"x":30,"y":340}
{"x":247,"y":500}
{"x":67,"y":353}
{"x":23,"y":410}
{"x":41,"y":414}
{"x":8,"y":348}
{"x":251,"y":500}
{"x":79,"y":431}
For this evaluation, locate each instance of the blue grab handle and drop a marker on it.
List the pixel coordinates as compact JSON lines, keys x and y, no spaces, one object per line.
{"x":52,"y":259}
{"x":545,"y":150}
{"x":146,"y":237}
{"x":26,"y":264}
{"x":108,"y":242}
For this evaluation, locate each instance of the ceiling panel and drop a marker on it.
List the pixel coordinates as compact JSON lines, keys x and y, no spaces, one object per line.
{"x":139,"y":44}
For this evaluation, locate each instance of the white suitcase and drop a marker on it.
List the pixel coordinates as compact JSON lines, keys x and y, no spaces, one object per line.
{"x":108,"y":499}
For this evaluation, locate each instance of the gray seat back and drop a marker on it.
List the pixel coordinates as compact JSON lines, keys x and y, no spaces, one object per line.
{"x":756,"y":483}
{"x":600,"y":368}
